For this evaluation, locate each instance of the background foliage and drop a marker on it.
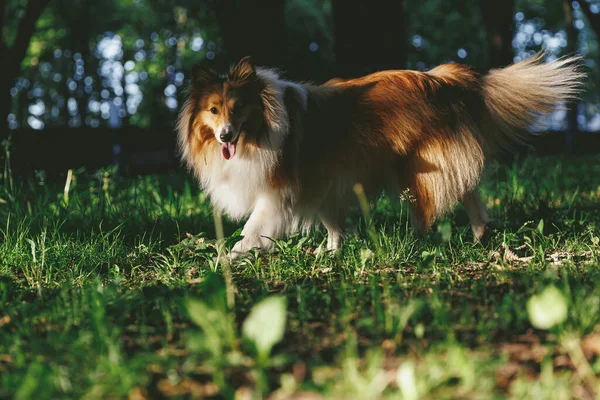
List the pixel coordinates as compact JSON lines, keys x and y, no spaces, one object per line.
{"x":110,"y":285}
{"x":124,"y":62}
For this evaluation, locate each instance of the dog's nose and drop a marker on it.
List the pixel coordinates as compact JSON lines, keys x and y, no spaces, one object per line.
{"x":226,"y":136}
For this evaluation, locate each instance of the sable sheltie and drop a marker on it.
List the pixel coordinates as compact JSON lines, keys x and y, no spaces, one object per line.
{"x":286,"y":155}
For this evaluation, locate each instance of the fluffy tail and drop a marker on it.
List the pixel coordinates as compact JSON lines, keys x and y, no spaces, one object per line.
{"x":517,"y":95}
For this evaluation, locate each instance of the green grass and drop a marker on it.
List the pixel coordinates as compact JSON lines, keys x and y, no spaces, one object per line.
{"x":112,"y":292}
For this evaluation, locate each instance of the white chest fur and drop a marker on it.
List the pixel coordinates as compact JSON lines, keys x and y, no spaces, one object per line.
{"x":234,"y":185}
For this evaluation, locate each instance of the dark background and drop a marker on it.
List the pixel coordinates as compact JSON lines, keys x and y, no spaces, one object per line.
{"x":93,"y":83}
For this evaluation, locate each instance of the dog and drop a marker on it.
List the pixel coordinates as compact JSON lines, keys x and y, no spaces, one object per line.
{"x":287,"y":155}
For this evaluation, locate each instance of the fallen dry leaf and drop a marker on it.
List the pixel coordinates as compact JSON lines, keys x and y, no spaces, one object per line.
{"x":591,"y":345}
{"x":5,"y":320}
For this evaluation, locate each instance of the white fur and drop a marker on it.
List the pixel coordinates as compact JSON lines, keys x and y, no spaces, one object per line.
{"x":234,"y":185}
{"x":238,"y":187}
{"x":270,"y":219}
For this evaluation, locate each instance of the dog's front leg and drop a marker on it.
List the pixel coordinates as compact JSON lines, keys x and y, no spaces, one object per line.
{"x":269,"y":220}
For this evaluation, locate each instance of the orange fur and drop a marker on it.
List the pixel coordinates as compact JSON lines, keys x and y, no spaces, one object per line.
{"x":303,"y":147}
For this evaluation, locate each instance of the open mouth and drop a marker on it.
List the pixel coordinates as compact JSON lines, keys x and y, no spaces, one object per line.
{"x":228,"y":149}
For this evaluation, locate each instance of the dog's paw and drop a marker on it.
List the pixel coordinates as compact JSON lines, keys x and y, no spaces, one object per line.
{"x":250,"y":243}
{"x":482,"y":232}
{"x":230,"y":256}
{"x":323,"y":251}
{"x":319,"y":251}
{"x":221,"y":258}
{"x":240,"y":249}
{"x":236,"y":255}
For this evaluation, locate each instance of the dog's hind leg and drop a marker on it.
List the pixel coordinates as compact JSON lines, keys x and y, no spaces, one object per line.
{"x":477,"y":213}
{"x":439,"y":174}
{"x":422,"y":207}
{"x":422,"y":216}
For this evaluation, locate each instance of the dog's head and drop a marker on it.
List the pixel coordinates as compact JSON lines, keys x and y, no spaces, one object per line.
{"x":227,"y":109}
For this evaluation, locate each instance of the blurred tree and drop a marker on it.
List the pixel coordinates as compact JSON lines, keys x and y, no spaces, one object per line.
{"x":445,"y":31}
{"x":369,"y":36}
{"x":593,"y":18}
{"x":120,"y":62}
{"x":254,"y":28}
{"x":183,"y":33}
{"x":498,"y":21}
{"x":112,"y":62}
{"x":587,"y":20}
{"x":81,"y":32}
{"x":571,"y":48}
{"x":310,"y":40}
{"x":12,"y":52}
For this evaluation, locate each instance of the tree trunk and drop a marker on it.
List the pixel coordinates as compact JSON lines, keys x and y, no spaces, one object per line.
{"x":369,"y":37}
{"x":254,"y":28}
{"x":498,"y":21}
{"x":83,"y":48}
{"x":7,"y":81}
{"x":5,"y":104}
{"x":572,"y":44}
{"x":593,"y":19}
{"x":13,"y":57}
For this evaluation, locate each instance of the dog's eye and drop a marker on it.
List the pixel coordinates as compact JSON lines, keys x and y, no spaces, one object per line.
{"x":214,"y":110}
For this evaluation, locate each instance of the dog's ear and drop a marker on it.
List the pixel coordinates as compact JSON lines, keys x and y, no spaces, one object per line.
{"x":242,"y":72}
{"x":202,"y":76}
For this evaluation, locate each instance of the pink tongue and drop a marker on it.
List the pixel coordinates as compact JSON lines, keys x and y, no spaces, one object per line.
{"x":228,"y":150}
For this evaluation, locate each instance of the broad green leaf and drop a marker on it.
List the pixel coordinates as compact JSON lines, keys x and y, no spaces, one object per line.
{"x":365,"y":255}
{"x":419,"y":330}
{"x":265,"y":325}
{"x":445,"y":231}
{"x":200,"y":314}
{"x":540,"y":227}
{"x":405,"y":379}
{"x":218,"y":332}
{"x":547,"y":309}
